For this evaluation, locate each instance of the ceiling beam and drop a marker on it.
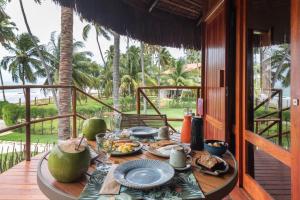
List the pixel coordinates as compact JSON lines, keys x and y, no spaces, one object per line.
{"x":155,"y":2}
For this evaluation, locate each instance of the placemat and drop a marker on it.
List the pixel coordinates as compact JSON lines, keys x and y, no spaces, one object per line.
{"x":182,"y":186}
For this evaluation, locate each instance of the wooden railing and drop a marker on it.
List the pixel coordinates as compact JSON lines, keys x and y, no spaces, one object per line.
{"x":271,"y":118}
{"x":28,"y":121}
{"x":73,"y":112}
{"x":142,"y":93}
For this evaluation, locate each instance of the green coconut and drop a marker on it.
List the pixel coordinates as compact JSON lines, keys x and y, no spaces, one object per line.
{"x":67,"y":164}
{"x":91,"y":127}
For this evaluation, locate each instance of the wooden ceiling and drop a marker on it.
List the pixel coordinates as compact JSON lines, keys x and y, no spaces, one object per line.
{"x":189,"y":9}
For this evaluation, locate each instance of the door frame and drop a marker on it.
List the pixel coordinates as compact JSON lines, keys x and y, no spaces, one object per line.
{"x":242,"y":135}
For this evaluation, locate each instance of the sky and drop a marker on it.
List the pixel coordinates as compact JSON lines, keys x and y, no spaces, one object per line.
{"x":45,"y":18}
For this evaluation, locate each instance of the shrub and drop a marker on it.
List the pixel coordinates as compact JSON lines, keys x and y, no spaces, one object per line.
{"x":10,"y":114}
{"x":2,"y":104}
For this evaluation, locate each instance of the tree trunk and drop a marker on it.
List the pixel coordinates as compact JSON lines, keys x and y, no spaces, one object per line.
{"x":116,"y":70}
{"x":99,"y":47}
{"x":143,"y":74}
{"x":158,"y":82}
{"x":2,"y":84}
{"x":65,"y":71}
{"x":47,"y":70}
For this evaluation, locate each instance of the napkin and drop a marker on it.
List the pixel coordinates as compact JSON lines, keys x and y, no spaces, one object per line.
{"x":110,"y":186}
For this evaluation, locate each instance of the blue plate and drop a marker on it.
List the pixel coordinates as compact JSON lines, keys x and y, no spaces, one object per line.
{"x":143,"y":174}
{"x":143,"y":131}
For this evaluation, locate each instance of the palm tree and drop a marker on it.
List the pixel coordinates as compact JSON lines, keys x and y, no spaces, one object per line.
{"x":178,"y":76}
{"x":281,"y":65}
{"x":65,"y":71}
{"x":143,"y":72}
{"x":84,"y":71}
{"x":23,"y":63}
{"x":163,"y":59}
{"x":100,"y":31}
{"x":6,"y":34}
{"x":116,"y":70}
{"x":192,"y":56}
{"x":42,"y":58}
{"x":130,"y":66}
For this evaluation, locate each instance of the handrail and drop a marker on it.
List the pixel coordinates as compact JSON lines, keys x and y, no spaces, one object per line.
{"x":141,"y":92}
{"x":99,"y":101}
{"x":28,"y":121}
{"x":264,"y":118}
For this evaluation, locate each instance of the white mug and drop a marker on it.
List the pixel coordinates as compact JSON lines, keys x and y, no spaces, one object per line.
{"x":163,"y":133}
{"x":178,"y":157}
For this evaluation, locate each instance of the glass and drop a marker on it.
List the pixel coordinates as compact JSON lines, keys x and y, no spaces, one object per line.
{"x":105,"y":146}
{"x":115,"y":122}
{"x":268,"y":71}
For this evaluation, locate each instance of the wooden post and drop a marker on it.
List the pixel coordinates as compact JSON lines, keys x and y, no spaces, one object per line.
{"x":280,"y":118}
{"x":34,"y":100}
{"x":197,"y":104}
{"x":27,"y":119}
{"x":74,"y":129}
{"x":138,"y":101}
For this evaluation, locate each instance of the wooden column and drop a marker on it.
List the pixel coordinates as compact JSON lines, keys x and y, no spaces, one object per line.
{"x":27,"y":120}
{"x":74,"y":128}
{"x":295,"y":98}
{"x":138,"y":101}
{"x":239,"y":84}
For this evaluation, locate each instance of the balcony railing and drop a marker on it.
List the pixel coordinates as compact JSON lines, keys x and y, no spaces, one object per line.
{"x":28,"y":121}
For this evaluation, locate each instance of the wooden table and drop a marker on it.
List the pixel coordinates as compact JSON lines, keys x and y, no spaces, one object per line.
{"x":213,"y":187}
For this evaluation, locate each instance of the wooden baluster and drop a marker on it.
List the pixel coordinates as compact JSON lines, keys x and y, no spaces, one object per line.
{"x":280,"y":118}
{"x":27,"y":119}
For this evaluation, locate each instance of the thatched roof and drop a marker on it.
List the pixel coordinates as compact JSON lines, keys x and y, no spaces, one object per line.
{"x":165,"y":22}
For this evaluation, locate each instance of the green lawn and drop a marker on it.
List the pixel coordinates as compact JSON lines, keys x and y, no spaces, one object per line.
{"x":15,"y":136}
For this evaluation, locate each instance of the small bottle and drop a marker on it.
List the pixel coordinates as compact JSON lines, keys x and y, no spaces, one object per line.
{"x":197,"y":139}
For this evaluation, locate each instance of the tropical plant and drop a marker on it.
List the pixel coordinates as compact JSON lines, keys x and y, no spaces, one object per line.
{"x":84,"y":71}
{"x":130,"y":68}
{"x":7,"y":34}
{"x":281,"y":65}
{"x":177,"y":75}
{"x":65,"y":71}
{"x":163,"y":60}
{"x":38,"y":50}
{"x":100,"y":31}
{"x":23,"y":63}
{"x":192,"y":56}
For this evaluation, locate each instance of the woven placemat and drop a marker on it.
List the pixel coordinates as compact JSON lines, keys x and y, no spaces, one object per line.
{"x":183,"y":186}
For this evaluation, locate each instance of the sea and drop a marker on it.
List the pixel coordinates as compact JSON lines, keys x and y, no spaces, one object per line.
{"x":17,"y":95}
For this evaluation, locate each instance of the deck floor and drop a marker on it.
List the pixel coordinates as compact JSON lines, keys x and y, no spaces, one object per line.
{"x":20,"y":182}
{"x":272,"y":175}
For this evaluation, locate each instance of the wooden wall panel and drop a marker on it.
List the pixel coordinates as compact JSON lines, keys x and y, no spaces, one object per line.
{"x":215,"y":70}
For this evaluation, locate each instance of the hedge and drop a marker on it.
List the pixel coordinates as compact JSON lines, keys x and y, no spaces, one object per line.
{"x":10,"y":114}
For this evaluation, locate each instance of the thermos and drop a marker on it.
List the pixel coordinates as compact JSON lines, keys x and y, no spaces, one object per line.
{"x":197,"y":134}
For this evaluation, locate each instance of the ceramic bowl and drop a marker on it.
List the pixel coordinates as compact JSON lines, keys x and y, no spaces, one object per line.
{"x":217,"y":151}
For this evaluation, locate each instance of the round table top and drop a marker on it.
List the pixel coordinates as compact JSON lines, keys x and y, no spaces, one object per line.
{"x":214,"y":187}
